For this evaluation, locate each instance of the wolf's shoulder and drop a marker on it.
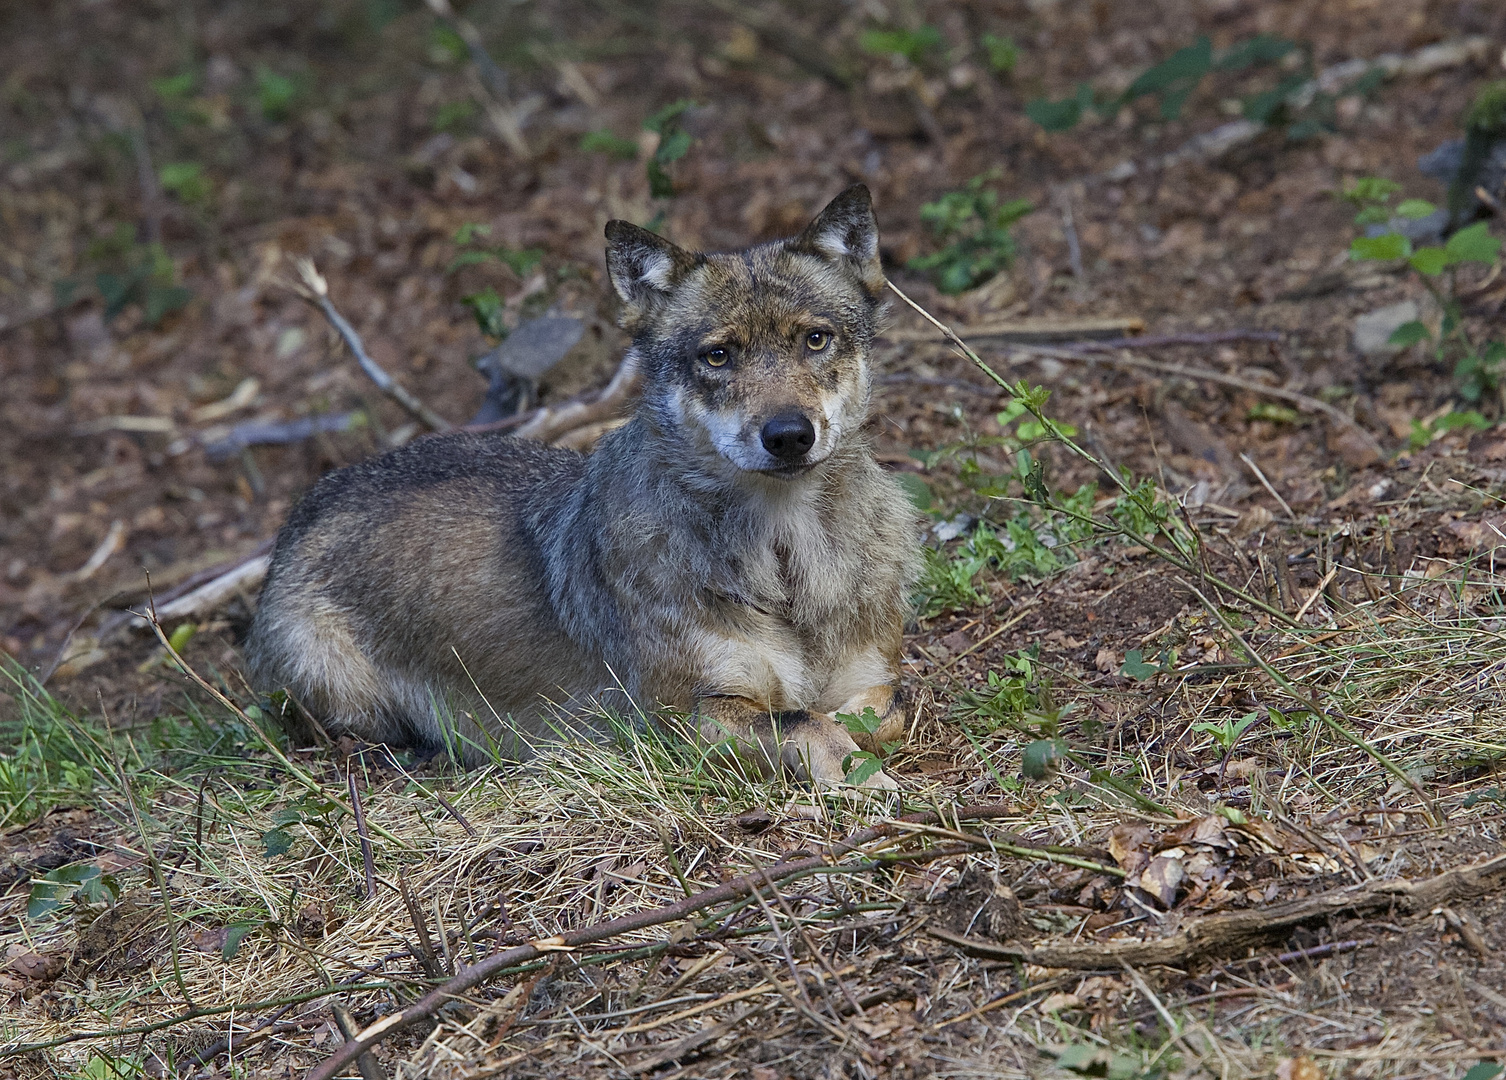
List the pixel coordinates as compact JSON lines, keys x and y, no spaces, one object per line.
{"x":488,"y":459}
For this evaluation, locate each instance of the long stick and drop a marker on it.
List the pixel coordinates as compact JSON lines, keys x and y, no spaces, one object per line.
{"x":315,"y":290}
{"x":735,"y":889}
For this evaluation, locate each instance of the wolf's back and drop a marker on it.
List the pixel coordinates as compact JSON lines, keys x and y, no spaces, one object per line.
{"x":416,"y":580}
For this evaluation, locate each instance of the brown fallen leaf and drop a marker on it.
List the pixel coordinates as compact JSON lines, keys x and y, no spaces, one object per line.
{"x":36,"y":967}
{"x":1107,"y":661}
{"x":1298,"y":1068}
{"x":754,"y":821}
{"x":1161,"y":878}
{"x":212,"y":940}
{"x":1129,"y":844}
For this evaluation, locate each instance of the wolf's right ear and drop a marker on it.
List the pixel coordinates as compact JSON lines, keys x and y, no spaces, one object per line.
{"x":644,"y":266}
{"x":846,"y":233}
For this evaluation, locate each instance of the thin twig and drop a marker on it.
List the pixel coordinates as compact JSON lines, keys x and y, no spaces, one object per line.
{"x":315,"y":289}
{"x":1254,"y":468}
{"x":360,"y":813}
{"x":366,"y":1064}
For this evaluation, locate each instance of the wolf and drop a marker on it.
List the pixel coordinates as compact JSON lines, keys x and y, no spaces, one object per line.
{"x":733,"y":552}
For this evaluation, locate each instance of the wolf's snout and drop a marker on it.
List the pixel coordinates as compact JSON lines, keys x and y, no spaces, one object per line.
{"x":788,"y":436}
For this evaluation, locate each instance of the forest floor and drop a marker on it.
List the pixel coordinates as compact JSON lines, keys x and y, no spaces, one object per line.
{"x":1206,"y":779}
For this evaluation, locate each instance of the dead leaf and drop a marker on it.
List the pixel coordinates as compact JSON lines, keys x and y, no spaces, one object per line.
{"x":211,"y":940}
{"x":1107,"y":661}
{"x":1161,"y":878}
{"x":36,"y":967}
{"x":1298,"y":1068}
{"x":755,"y":820}
{"x":1129,"y":845}
{"x":1053,"y":1003}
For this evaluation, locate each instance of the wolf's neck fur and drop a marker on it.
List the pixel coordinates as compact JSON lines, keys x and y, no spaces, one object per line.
{"x":679,"y":535}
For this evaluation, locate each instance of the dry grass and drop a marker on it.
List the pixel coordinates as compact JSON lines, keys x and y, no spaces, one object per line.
{"x":832,"y":974}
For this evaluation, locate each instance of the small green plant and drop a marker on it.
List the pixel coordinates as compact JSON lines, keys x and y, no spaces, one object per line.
{"x":1424,"y":432}
{"x":674,"y":143}
{"x":1227,"y":733}
{"x":455,"y":117}
{"x":916,"y":46}
{"x":187,"y":181}
{"x":861,"y":765}
{"x":521,"y":261}
{"x":606,"y":142}
{"x":1136,"y":667}
{"x":1174,"y":79}
{"x":1478,"y":367}
{"x":1001,"y":52}
{"x":276,"y":94}
{"x":487,"y":308}
{"x":973,"y":226}
{"x":131,"y":273}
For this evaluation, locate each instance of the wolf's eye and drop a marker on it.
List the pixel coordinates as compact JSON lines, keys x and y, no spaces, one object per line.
{"x":817,"y":340}
{"x":716,"y":356}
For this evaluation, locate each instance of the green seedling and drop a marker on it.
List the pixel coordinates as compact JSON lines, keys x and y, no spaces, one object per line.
{"x":1227,"y":733}
{"x":973,"y":226}
{"x":674,"y":143}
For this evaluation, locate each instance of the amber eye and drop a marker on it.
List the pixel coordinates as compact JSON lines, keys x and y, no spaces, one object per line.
{"x":817,"y":340}
{"x":716,"y":356}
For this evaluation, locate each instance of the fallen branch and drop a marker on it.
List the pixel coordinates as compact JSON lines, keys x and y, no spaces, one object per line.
{"x":1212,"y":145}
{"x":1034,"y":330}
{"x":276,"y":433}
{"x":1302,"y":401}
{"x":1222,"y":935}
{"x":315,"y":289}
{"x":551,"y":422}
{"x":738,"y":888}
{"x":243,"y":577}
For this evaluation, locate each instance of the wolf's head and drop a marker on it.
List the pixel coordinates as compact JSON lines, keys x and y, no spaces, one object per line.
{"x":757,"y":358}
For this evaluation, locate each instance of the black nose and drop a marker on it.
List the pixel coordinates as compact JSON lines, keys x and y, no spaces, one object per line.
{"x":789,"y":436}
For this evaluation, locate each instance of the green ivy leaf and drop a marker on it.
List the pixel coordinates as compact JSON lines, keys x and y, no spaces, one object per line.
{"x":1135,"y":666}
{"x":1429,"y":261}
{"x":1386,"y":246}
{"x":277,"y":842}
{"x":1409,"y":333}
{"x":1472,"y":244}
{"x":1485,"y":1070}
{"x":1040,"y":758}
{"x":860,"y":767}
{"x":53,"y":888}
{"x":235,"y":933}
{"x":1060,"y":115}
{"x":1414,"y":209}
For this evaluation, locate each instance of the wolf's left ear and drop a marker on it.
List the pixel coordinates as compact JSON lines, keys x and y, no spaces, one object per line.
{"x":846,"y":232}
{"x":644,"y":266}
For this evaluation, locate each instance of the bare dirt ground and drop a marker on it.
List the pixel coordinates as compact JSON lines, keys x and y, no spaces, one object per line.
{"x":1326,"y":728}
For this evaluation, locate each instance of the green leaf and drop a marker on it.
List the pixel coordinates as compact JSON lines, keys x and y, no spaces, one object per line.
{"x":52,"y":889}
{"x":1473,"y":244}
{"x":469,"y":231}
{"x":1386,"y":246}
{"x":1040,"y":758}
{"x":275,"y":93}
{"x":1409,"y":333}
{"x":175,"y":87}
{"x":1370,"y":189}
{"x":1135,"y":666}
{"x":161,"y":301}
{"x":913,"y":45}
{"x":605,"y":142}
{"x":487,"y":307}
{"x":1260,"y":49}
{"x":181,"y":636}
{"x":1415,"y":208}
{"x":865,"y":723}
{"x":674,"y":146}
{"x":185,"y":179}
{"x":277,"y":842}
{"x":1429,"y":261}
{"x":1277,"y":414}
{"x":1003,"y":54}
{"x":1185,"y":65}
{"x":663,"y":120}
{"x":1485,"y":1070}
{"x":235,"y":933}
{"x":860,"y":766}
{"x":1060,"y":115}
{"x":1493,"y":794}
{"x":918,"y":490}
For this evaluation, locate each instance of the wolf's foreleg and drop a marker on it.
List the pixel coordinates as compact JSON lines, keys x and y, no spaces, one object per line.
{"x":812,"y":746}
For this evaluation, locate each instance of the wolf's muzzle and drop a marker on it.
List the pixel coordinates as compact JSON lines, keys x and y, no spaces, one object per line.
{"x":788,"y":437}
